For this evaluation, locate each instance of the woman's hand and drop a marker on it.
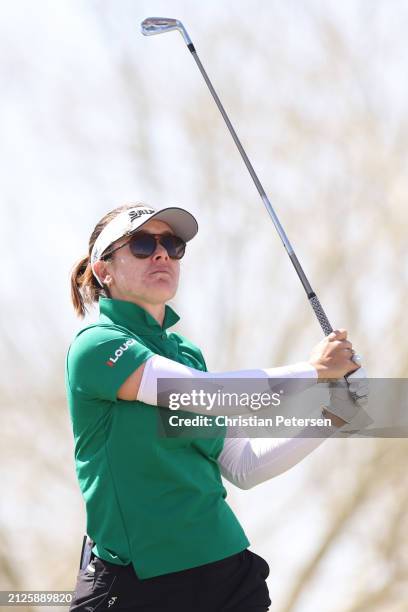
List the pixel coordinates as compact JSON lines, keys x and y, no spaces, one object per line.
{"x":347,"y":400}
{"x":332,"y":356}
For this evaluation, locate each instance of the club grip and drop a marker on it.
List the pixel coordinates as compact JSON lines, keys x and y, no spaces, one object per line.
{"x":320,"y":314}
{"x":327,"y":329}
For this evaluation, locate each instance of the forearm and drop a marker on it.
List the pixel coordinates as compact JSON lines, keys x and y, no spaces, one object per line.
{"x":247,"y":462}
{"x":290,"y":379}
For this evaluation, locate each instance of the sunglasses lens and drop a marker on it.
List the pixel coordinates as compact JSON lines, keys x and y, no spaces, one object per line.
{"x":142,"y":245}
{"x":174,"y":246}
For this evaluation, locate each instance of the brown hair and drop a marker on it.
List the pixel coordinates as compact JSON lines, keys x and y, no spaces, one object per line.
{"x":85,"y":289}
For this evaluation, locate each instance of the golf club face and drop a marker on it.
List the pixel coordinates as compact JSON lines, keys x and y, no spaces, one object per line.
{"x":160,"y":25}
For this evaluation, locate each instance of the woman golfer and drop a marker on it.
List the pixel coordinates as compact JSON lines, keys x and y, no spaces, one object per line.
{"x":163,"y":537}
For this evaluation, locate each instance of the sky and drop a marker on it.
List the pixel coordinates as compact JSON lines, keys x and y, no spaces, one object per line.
{"x":95,"y":114}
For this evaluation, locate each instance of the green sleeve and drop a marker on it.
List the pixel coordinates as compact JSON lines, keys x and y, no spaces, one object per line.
{"x":205,"y":369}
{"x":100,"y":360}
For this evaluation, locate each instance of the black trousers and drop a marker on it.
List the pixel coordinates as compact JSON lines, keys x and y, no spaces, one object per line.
{"x":236,"y":584}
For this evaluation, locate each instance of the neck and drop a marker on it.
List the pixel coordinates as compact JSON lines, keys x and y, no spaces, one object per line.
{"x":156,"y":311}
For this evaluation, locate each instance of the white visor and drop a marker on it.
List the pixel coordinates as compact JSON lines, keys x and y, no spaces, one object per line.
{"x":181,"y":222}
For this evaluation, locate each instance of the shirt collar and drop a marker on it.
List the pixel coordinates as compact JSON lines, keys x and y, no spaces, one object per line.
{"x":135,"y":317}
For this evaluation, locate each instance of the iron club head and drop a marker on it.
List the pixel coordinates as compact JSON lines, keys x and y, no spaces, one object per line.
{"x":158,"y":25}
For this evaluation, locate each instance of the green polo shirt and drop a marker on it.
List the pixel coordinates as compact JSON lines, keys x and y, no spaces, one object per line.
{"x":156,"y":502}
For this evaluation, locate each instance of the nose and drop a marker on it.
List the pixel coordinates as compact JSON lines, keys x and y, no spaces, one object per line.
{"x":160,"y":252}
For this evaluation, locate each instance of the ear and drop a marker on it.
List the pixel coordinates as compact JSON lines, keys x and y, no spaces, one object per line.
{"x":102,"y":272}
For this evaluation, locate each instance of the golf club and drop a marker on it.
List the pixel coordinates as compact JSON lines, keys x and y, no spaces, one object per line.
{"x":159,"y":25}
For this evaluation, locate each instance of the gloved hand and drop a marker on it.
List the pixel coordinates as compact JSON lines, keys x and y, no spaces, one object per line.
{"x":358,"y":383}
{"x":348,"y":398}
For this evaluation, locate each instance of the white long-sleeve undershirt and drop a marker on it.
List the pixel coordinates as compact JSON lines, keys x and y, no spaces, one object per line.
{"x":289,"y":379}
{"x":247,"y":462}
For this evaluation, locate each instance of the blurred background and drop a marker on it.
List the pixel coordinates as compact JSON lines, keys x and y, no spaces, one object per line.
{"x":93,"y":115}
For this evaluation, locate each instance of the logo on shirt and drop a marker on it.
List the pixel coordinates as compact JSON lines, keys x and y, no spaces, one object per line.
{"x":119,"y":352}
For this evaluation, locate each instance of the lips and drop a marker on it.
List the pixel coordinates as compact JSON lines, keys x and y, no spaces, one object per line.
{"x":160,"y":271}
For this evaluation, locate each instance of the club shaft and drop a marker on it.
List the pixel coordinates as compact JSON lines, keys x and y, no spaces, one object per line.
{"x":313,"y":300}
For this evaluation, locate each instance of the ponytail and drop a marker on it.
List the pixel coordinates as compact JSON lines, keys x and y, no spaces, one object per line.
{"x":85,"y":289}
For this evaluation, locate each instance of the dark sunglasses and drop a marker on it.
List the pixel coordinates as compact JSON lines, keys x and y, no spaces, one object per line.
{"x":143,"y":245}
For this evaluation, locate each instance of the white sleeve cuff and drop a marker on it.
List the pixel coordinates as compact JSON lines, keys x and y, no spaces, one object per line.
{"x":302,"y":369}
{"x":299,"y":377}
